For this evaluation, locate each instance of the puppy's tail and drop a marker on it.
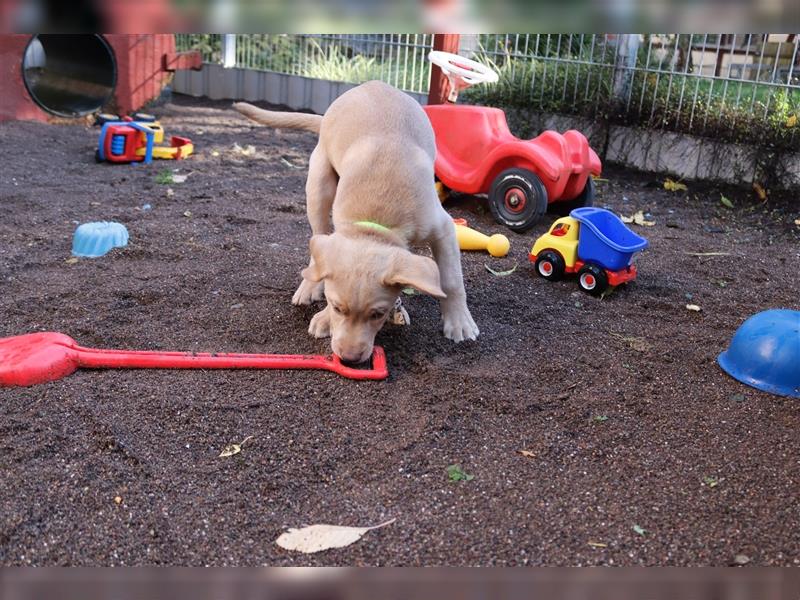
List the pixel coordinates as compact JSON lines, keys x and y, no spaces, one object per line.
{"x":286,"y":120}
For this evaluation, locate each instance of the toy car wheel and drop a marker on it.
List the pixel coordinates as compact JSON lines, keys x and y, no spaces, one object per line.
{"x":585,"y":198}
{"x":593,"y":279}
{"x":517,"y":199}
{"x":550,"y":265}
{"x":144,"y":117}
{"x":104,"y":118}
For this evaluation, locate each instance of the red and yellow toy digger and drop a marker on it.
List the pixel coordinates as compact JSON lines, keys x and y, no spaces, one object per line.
{"x":131,"y":140}
{"x":477,"y":154}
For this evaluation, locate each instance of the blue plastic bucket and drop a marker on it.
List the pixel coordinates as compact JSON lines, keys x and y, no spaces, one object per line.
{"x":97,"y":239}
{"x":604,"y":238}
{"x":765,"y":352}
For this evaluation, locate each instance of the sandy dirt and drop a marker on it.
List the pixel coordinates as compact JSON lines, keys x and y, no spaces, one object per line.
{"x":641,"y":449}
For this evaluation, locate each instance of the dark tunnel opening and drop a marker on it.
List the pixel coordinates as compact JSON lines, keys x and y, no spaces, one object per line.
{"x":69,"y":75}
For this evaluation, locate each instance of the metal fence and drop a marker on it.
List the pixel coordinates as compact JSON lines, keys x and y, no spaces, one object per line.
{"x":738,"y":86}
{"x":397,"y":59}
{"x":742,"y":87}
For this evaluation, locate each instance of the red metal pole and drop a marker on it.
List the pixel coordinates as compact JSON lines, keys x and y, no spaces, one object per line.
{"x":440,"y":87}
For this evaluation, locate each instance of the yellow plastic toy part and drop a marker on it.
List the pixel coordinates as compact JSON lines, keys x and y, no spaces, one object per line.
{"x":563,"y":237}
{"x":168,"y":151}
{"x":468,"y":239}
{"x":158,"y":132}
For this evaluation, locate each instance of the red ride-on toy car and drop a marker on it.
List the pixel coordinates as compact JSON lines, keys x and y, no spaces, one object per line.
{"x":477,"y":154}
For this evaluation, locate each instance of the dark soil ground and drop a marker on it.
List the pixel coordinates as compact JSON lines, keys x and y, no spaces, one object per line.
{"x":627,"y":419}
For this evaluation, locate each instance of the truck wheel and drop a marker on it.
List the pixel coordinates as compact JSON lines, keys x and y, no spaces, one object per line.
{"x":550,"y":265}
{"x":585,"y":198}
{"x":143,"y":117}
{"x":517,"y":199}
{"x":593,"y":279}
{"x":104,"y":118}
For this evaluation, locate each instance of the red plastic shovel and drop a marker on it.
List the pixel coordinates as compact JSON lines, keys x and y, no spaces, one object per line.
{"x":40,"y":357}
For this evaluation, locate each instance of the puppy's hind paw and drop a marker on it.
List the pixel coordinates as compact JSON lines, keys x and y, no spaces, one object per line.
{"x":320,"y":326}
{"x":308,"y":292}
{"x":460,"y":326}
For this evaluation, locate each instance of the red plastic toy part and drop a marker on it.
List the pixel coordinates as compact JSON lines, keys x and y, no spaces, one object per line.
{"x":474,"y":144}
{"x":40,"y":357}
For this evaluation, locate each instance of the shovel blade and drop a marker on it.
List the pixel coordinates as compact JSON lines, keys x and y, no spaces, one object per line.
{"x":36,"y":358}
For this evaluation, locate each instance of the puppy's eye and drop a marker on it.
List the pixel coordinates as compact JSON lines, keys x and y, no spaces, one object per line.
{"x":377,"y":314}
{"x":337,"y":310}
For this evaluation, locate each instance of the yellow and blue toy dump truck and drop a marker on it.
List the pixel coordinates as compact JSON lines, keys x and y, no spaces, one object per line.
{"x":592,"y":242}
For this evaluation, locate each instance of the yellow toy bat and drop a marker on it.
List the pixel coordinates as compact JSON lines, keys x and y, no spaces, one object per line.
{"x":468,"y":239}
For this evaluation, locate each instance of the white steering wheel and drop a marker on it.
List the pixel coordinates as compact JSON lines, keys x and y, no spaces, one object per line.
{"x":462,"y":72}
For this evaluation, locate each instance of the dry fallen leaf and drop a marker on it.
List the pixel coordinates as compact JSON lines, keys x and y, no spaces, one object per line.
{"x":290,"y":165}
{"x":760,"y":191}
{"x":316,"y":538}
{"x":527,"y":453}
{"x":674,"y":186}
{"x":636,"y":343}
{"x":180,"y":178}
{"x":117,"y":499}
{"x":693,"y":307}
{"x":170,"y":192}
{"x":214,"y":153}
{"x":638,"y":219}
{"x":249,"y":150}
{"x":501,"y":273}
{"x":791,"y":121}
{"x":232,"y":449}
{"x":597,"y":544}
{"x":71,"y":261}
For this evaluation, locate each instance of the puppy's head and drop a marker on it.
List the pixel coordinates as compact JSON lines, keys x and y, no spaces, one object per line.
{"x":363,"y":278}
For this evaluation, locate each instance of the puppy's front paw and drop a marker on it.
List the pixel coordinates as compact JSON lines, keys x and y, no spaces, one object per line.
{"x":308,"y":292}
{"x":459,"y":326}
{"x":320,"y":326}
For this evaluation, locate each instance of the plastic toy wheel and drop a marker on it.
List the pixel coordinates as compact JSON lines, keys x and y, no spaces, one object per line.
{"x":592,"y":279}
{"x":144,"y":117}
{"x":518,"y":199}
{"x":585,"y":198}
{"x":550,"y":265}
{"x":104,"y":118}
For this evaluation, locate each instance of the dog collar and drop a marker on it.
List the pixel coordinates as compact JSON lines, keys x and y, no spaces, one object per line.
{"x":375,"y":226}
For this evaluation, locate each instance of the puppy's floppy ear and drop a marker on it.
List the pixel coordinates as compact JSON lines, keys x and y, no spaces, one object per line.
{"x":419,"y":272}
{"x":318,"y":246}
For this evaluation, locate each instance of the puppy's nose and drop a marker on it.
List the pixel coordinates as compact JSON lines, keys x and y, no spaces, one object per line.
{"x":354,"y":356}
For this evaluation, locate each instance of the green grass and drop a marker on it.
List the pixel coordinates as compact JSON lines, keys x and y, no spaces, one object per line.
{"x":164,"y":177}
{"x":333,"y":64}
{"x":299,"y":55}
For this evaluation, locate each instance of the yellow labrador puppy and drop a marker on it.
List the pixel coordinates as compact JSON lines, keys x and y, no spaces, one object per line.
{"x":372,"y":170}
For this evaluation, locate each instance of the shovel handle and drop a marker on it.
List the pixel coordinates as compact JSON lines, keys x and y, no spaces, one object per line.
{"x":94,"y":358}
